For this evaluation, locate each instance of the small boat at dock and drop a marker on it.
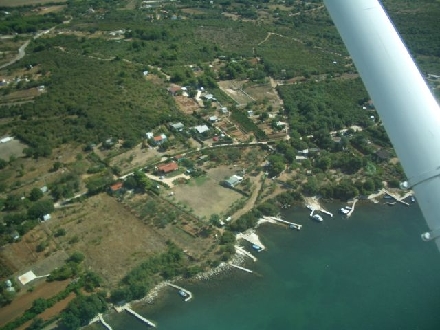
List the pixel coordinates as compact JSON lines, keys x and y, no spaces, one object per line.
{"x":183,"y":294}
{"x":257,"y":247}
{"x":317,"y":217}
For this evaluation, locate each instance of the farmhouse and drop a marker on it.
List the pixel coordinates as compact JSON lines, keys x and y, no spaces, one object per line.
{"x":167,"y":168}
{"x":116,"y":187}
{"x":201,"y":128}
{"x":233,"y":181}
{"x":159,"y":139}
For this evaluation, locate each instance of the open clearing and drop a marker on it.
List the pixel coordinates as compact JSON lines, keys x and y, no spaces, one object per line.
{"x":11,"y":148}
{"x":205,"y":195}
{"x":23,"y":302}
{"x":234,"y":90}
{"x":112,"y":239}
{"x":17,"y":3}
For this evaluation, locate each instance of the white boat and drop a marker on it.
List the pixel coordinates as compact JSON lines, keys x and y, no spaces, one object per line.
{"x":343,"y":210}
{"x":317,"y":217}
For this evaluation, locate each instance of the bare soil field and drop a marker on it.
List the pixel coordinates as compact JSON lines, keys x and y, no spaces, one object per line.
{"x":11,"y":148}
{"x":261,"y":92}
{"x":139,"y":157}
{"x":112,"y":239}
{"x":186,"y":104}
{"x":233,"y":89}
{"x":16,"y":3}
{"x":205,"y":195}
{"x":24,"y":301}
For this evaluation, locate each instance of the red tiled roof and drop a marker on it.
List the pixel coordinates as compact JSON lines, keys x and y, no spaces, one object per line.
{"x":167,"y":167}
{"x":158,"y":138}
{"x":116,"y":186}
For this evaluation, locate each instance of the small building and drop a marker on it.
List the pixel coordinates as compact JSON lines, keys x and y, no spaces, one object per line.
{"x":15,"y":235}
{"x":46,"y":217}
{"x":167,"y":168}
{"x":43,"y":189}
{"x":177,"y":126}
{"x":174,"y":89}
{"x":116,"y":187}
{"x":6,"y":139}
{"x":233,"y":181}
{"x":159,"y":139}
{"x":224,"y":110}
{"x":149,"y":135}
{"x":201,"y":128}
{"x":145,"y":73}
{"x":213,"y":119}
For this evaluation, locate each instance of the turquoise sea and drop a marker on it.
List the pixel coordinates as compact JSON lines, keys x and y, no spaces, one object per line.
{"x":371,"y":271}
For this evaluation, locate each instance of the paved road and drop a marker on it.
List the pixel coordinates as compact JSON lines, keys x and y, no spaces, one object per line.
{"x":21,"y":50}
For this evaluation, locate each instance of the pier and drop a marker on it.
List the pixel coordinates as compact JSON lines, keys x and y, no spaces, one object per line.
{"x":127,"y":308}
{"x":399,"y":198}
{"x":352,"y":208}
{"x":242,"y":251}
{"x":320,"y":209}
{"x":182,"y":289}
{"x":99,"y":318}
{"x":105,"y":324}
{"x":291,"y":224}
{"x":242,"y":268}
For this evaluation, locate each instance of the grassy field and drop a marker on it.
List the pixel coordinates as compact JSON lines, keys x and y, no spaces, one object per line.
{"x":108,"y":234}
{"x":205,"y":195}
{"x":17,"y":3}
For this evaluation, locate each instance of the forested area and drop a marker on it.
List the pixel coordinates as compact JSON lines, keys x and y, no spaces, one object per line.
{"x":328,"y":105}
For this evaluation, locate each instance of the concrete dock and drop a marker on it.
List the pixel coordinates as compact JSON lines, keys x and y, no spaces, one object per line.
{"x":348,"y":215}
{"x":242,"y":251}
{"x":184,"y":290}
{"x":294,"y":225}
{"x":399,"y":198}
{"x":127,"y":308}
{"x":105,"y":324}
{"x":242,"y":268}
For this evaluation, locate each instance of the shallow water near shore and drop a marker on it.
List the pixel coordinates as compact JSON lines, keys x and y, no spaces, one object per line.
{"x":371,"y":271}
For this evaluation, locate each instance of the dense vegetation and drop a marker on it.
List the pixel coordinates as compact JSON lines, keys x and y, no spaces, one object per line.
{"x":167,"y":265}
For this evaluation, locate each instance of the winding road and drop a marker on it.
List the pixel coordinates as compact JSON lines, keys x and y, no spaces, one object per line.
{"x":21,"y":50}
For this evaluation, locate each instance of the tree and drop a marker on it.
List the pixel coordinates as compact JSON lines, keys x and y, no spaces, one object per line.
{"x":276,"y":165}
{"x":35,"y":194}
{"x":40,"y":208}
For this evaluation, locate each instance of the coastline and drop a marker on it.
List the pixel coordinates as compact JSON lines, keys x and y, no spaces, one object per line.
{"x":239,"y":258}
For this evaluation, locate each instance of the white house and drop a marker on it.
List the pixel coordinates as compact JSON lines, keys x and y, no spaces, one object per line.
{"x":201,"y":128}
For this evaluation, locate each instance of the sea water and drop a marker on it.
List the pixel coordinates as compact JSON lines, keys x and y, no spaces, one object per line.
{"x":371,"y":271}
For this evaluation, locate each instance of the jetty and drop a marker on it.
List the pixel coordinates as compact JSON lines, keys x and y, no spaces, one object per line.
{"x":242,"y":268}
{"x":320,"y":209}
{"x":291,"y":224}
{"x":127,"y":308}
{"x":399,"y":198}
{"x":99,"y":318}
{"x":105,"y":324}
{"x":348,"y":215}
{"x":188,"y":293}
{"x":242,"y":251}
